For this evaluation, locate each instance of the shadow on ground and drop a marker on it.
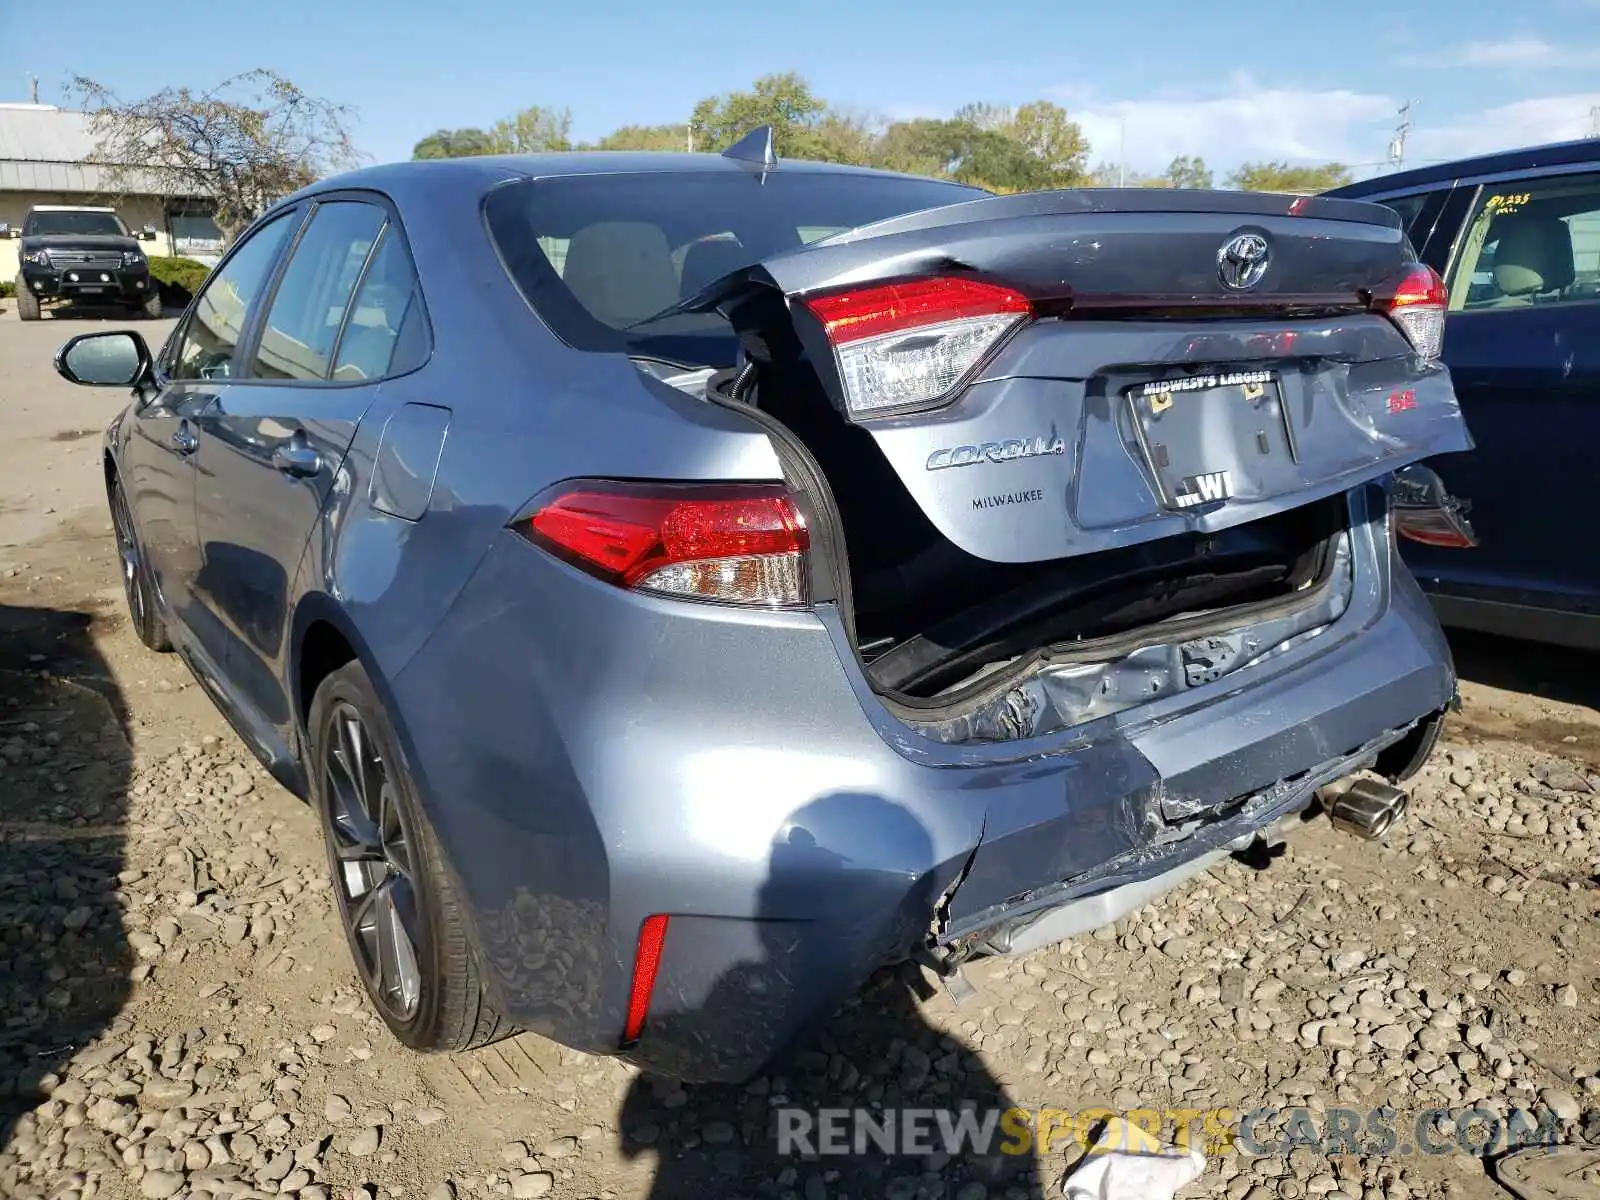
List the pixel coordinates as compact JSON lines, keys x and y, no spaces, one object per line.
{"x":64,"y":773}
{"x":878,"y":1059}
{"x":1554,"y":672}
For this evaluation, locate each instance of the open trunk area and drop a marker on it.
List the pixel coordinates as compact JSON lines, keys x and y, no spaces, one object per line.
{"x":935,"y":625}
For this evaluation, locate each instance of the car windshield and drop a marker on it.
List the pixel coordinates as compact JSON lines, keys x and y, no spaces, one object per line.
{"x":44,"y":224}
{"x":596,"y":255}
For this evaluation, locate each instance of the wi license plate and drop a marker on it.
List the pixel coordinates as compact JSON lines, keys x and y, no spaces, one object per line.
{"x":1212,"y":437}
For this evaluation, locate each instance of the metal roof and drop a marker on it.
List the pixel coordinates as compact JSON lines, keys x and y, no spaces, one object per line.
{"x":44,"y":148}
{"x":1556,"y":154}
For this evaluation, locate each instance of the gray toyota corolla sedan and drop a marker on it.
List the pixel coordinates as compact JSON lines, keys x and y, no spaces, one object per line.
{"x":684,"y":584}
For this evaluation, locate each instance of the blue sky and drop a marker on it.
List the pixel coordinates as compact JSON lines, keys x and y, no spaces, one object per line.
{"x":1229,"y":79}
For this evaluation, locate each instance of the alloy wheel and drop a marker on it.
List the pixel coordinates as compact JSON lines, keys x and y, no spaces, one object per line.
{"x":128,"y":555}
{"x":373,"y":864}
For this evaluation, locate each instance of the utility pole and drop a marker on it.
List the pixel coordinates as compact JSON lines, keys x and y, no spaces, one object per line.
{"x":689,"y":125}
{"x":33,"y":89}
{"x":1122,"y":151}
{"x":1397,"y":145}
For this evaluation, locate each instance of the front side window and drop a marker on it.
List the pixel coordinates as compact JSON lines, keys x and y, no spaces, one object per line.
{"x":599,"y":256}
{"x":1530,"y":244}
{"x":309,"y":306}
{"x":204,"y":348}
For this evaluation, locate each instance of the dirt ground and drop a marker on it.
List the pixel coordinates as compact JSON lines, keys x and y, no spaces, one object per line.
{"x":178,"y":1017}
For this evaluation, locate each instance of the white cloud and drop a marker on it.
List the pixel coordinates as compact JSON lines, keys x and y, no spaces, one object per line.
{"x":1505,"y":127}
{"x":1244,"y":124}
{"x":1517,"y":53}
{"x":1247,"y":123}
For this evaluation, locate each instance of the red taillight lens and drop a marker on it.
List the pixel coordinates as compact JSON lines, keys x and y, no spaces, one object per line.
{"x":902,"y":346}
{"x":1416,"y":303}
{"x":739,"y":543}
{"x":646,"y":961}
{"x":1434,"y":527}
{"x":850,"y":316}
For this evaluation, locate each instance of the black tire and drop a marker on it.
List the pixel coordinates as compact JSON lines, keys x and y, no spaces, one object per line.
{"x":27,"y":302}
{"x":151,"y":307}
{"x":137,"y":589}
{"x":399,"y":892}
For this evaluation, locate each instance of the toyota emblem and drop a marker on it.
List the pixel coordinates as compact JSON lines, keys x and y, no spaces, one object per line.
{"x":1243,"y":260}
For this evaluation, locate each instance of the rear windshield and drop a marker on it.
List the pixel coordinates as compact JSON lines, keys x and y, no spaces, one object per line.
{"x":41,"y":224}
{"x":596,"y":254}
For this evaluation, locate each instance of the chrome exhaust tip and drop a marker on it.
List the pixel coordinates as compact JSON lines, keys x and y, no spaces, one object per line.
{"x":1367,"y":808}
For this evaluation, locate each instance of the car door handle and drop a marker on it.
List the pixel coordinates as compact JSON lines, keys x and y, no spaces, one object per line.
{"x":184,"y":440}
{"x":297,"y":459}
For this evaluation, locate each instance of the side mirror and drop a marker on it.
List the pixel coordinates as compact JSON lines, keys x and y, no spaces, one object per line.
{"x":117,"y":359}
{"x":148,"y":234}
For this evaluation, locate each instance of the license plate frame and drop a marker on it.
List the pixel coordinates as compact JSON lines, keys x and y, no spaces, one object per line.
{"x":1199,"y":433}
{"x":89,"y":289}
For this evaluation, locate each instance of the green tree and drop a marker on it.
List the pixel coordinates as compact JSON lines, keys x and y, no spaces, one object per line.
{"x":1044,"y":130}
{"x":644,"y":137}
{"x":534,"y":130}
{"x":783,"y":101}
{"x":843,"y":137}
{"x":454,"y":143}
{"x":1281,"y":177}
{"x":1186,"y":172}
{"x":961,"y":149}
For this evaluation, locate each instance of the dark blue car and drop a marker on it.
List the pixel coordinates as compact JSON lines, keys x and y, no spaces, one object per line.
{"x":1517,"y":238}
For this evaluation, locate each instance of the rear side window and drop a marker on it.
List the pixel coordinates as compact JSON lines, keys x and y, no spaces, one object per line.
{"x":597,"y":256}
{"x":309,"y":307}
{"x":1530,"y":244}
{"x":386,"y":333}
{"x":204,"y":348}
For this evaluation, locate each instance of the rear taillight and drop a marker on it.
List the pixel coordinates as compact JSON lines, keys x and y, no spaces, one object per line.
{"x":1416,"y":303}
{"x":735,"y":543}
{"x":1424,"y":511}
{"x":905,"y":346}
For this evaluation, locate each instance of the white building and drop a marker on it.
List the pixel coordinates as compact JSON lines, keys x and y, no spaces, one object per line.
{"x":43,"y":153}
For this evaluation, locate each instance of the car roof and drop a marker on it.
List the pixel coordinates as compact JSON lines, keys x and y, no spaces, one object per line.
{"x":484,"y":170}
{"x":69,"y":208}
{"x":1556,"y":154}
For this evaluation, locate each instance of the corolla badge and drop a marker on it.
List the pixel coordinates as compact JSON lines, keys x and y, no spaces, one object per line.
{"x":1243,"y":260}
{"x":996,"y":452}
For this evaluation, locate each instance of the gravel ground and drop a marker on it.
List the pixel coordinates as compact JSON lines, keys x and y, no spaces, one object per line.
{"x":178,"y":1017}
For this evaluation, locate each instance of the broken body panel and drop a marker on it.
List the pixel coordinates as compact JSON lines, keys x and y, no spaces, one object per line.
{"x":1143,"y":402}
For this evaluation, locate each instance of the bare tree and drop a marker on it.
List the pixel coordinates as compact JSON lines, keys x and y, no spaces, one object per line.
{"x":251,"y":140}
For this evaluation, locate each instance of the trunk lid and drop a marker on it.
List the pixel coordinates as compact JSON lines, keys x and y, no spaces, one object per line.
{"x":1187,"y":361}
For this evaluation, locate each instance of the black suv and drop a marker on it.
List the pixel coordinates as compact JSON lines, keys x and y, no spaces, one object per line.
{"x":82,"y":255}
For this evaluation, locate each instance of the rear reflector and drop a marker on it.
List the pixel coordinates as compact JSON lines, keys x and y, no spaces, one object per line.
{"x":646,"y":961}
{"x":1416,"y":303}
{"x":904,"y":346}
{"x":736,"y":543}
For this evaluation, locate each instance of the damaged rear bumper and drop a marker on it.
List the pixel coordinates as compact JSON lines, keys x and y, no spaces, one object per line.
{"x":739,"y":778}
{"x":1075,"y":840}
